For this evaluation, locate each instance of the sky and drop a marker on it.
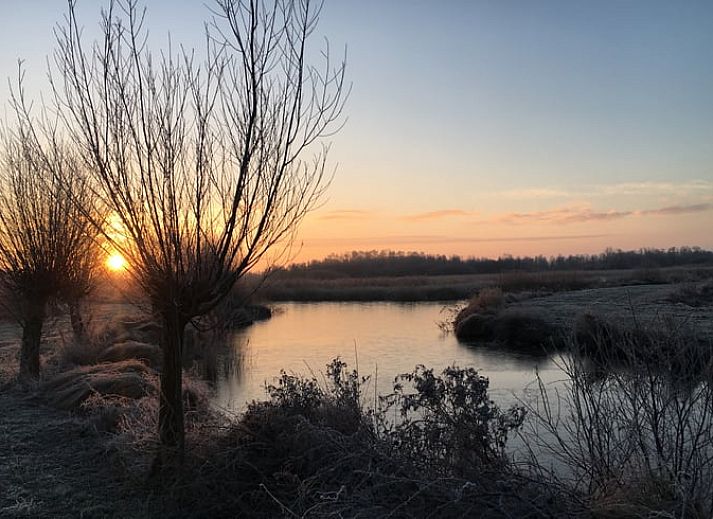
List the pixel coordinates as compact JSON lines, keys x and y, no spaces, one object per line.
{"x":483,"y":128}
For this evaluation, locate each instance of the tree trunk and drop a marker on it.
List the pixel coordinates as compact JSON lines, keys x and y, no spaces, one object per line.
{"x":170,"y":415}
{"x":31,"y":336}
{"x":77,"y":321}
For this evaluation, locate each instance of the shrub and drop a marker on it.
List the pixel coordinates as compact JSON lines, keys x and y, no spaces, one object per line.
{"x":448,"y":425}
{"x":475,"y":327}
{"x":312,"y":449}
{"x":662,"y":345}
{"x":513,"y":328}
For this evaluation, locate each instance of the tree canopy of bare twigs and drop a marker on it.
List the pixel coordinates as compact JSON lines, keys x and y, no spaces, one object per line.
{"x":46,"y":243}
{"x":208,"y":164}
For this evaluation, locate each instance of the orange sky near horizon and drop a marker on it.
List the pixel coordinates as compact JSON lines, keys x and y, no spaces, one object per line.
{"x":529,"y":222}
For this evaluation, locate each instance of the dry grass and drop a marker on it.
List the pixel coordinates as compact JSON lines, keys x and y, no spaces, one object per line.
{"x":400,"y":289}
{"x":555,"y":281}
{"x":486,"y":318}
{"x":459,"y":287}
{"x":631,"y":429}
{"x":80,"y":353}
{"x":694,"y":294}
{"x":487,"y":300}
{"x":69,"y":390}
{"x":126,"y":350}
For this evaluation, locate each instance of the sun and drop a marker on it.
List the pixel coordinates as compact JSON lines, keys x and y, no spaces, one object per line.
{"x":116,"y":262}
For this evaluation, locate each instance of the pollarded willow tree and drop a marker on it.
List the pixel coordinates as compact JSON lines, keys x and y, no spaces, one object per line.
{"x":201,"y":161}
{"x":45,"y":238}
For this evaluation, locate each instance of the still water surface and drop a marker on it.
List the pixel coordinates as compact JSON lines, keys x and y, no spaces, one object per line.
{"x":386,"y":339}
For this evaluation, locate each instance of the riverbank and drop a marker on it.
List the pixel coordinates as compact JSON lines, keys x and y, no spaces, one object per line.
{"x":538,"y":321}
{"x":282,"y":287}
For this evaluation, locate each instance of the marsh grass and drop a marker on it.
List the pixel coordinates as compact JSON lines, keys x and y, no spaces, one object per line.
{"x":554,"y":281}
{"x":694,"y":294}
{"x":284,"y":287}
{"x":630,"y":432}
{"x":421,"y":288}
{"x":81,"y":352}
{"x":486,"y":318}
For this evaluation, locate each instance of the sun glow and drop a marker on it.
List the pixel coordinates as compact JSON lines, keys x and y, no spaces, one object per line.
{"x":116,"y":262}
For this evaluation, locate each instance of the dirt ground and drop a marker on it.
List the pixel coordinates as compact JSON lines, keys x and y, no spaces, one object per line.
{"x":53,"y":465}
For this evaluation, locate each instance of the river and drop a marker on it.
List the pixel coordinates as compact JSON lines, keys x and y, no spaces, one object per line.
{"x":383,"y":339}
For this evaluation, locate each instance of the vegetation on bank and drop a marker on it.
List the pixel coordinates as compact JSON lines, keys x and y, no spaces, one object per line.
{"x":632,"y":428}
{"x":486,"y":318}
{"x":388,"y":263}
{"x":434,"y":446}
{"x":540,"y":320}
{"x":312,"y":283}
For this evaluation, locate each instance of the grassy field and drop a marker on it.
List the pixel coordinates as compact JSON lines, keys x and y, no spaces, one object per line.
{"x":453,"y":288}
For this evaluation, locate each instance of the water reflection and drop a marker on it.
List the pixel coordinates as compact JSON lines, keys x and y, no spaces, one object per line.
{"x":380,"y":339}
{"x":523,"y":358}
{"x":214,"y":356}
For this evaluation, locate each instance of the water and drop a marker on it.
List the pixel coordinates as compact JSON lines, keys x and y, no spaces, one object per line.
{"x":384,"y":339}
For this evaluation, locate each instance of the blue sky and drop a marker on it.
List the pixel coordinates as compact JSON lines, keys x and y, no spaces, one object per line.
{"x":496,"y":126}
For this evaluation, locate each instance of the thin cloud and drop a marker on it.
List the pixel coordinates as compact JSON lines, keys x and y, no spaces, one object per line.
{"x":437,"y":215}
{"x":534,"y":193}
{"x":396,"y":240}
{"x":347,"y":214}
{"x":688,"y":188}
{"x":568,"y":215}
{"x":560,"y":215}
{"x":679,"y":209}
{"x":655,"y":188}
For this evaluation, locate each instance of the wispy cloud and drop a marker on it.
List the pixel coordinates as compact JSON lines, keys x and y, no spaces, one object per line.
{"x":533,"y":193}
{"x":437,"y":215}
{"x":391,"y":241}
{"x":690,"y":187}
{"x":566,"y":215}
{"x":678,"y":189}
{"x":561,"y":215}
{"x":679,"y":209}
{"x":346,"y":214}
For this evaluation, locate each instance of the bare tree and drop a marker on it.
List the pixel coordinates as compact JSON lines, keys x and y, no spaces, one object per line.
{"x":43,"y":233}
{"x":84,"y":260}
{"x":199,"y":161}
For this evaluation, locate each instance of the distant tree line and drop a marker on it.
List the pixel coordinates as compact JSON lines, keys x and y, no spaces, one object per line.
{"x":364,"y":264}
